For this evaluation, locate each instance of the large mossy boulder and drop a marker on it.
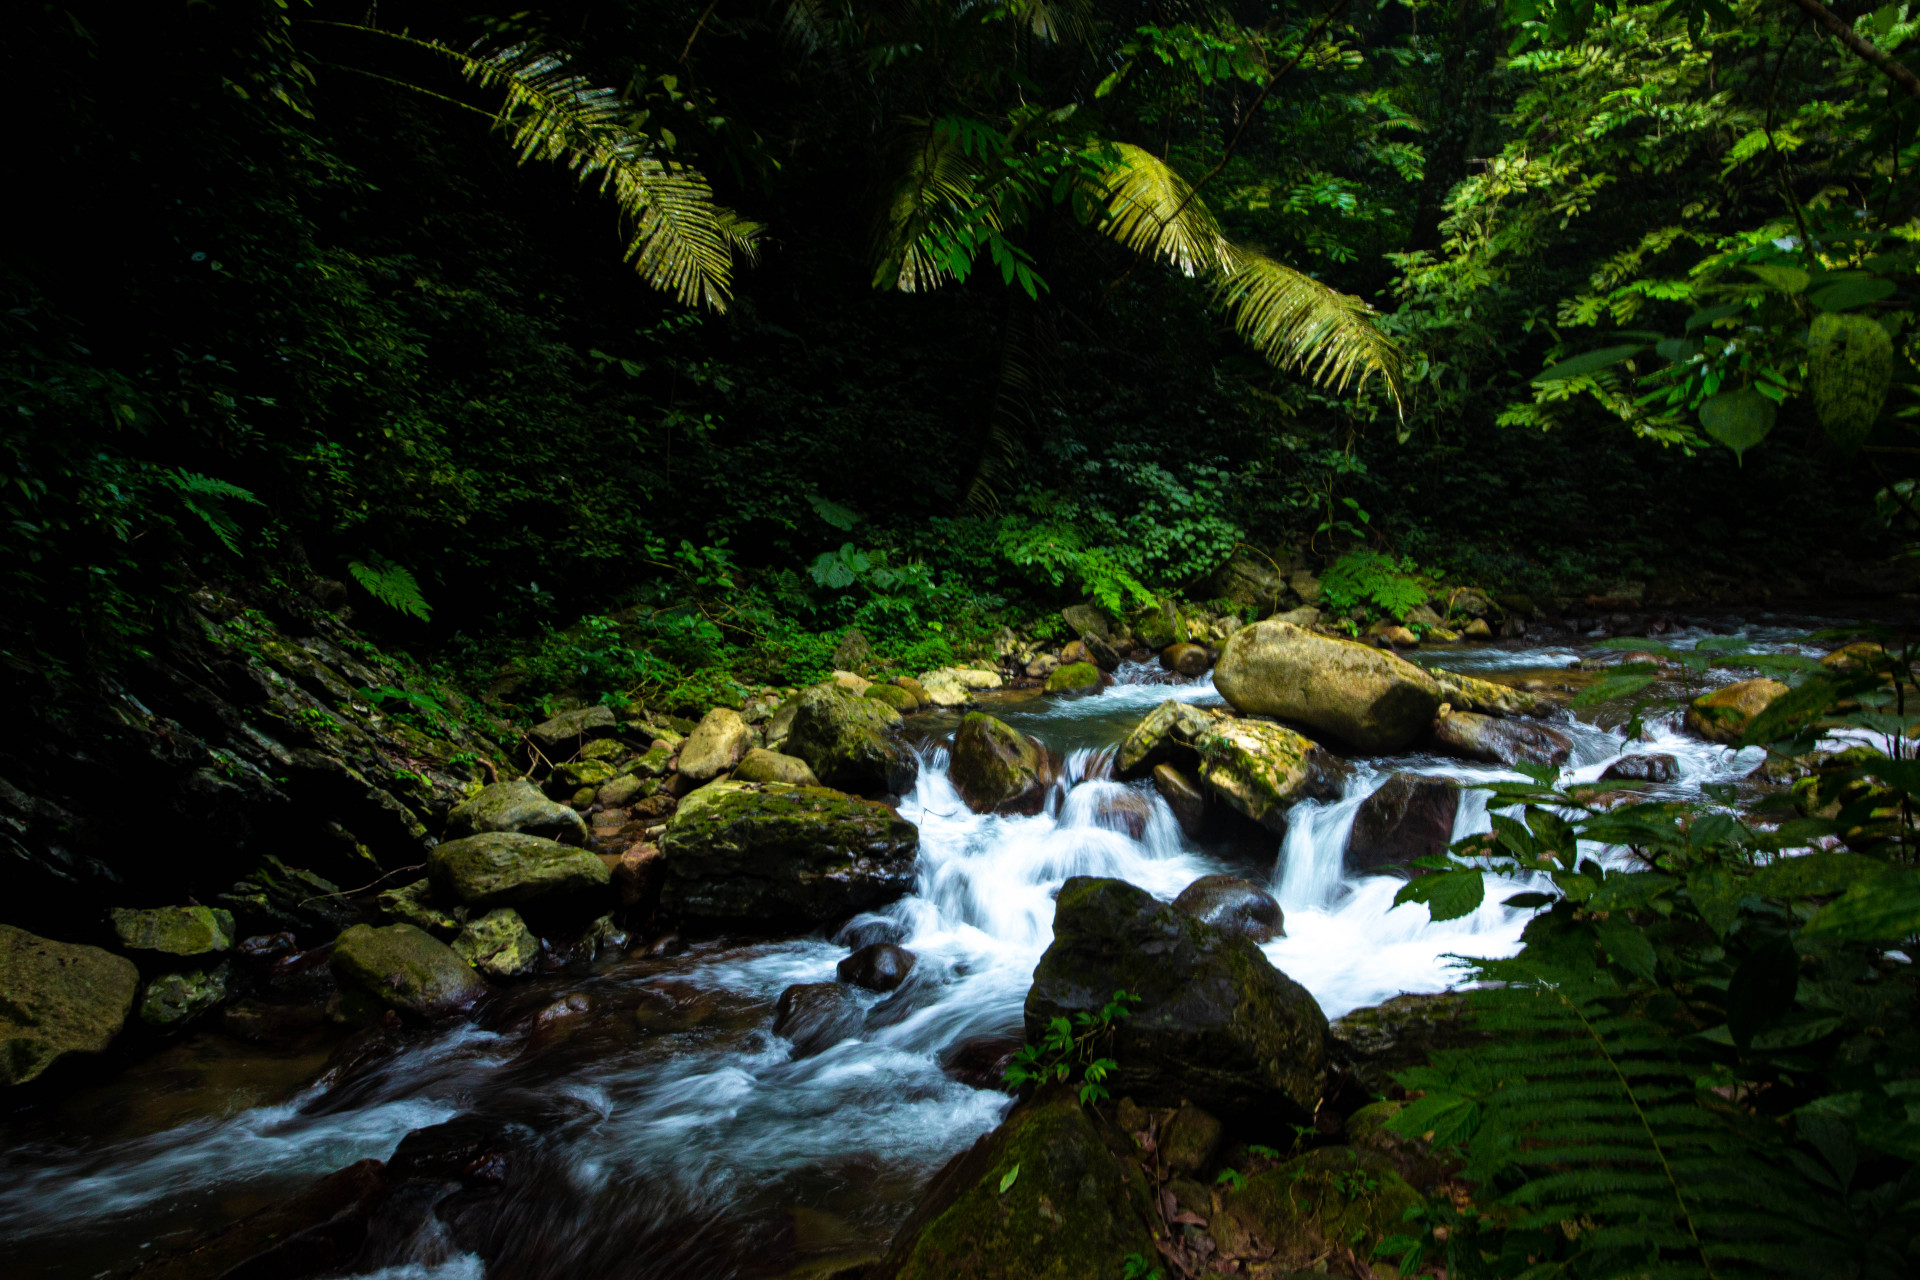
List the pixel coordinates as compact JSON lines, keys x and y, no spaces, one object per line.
{"x":996,"y":768}
{"x":1356,"y":695}
{"x":407,"y":969}
{"x":1723,"y":714}
{"x":508,"y":869}
{"x":715,"y":746}
{"x":516,"y":806}
{"x":1216,"y":1024}
{"x":1042,"y":1197}
{"x":57,"y":998}
{"x":849,"y":742}
{"x":1074,"y":677}
{"x":1492,"y":740}
{"x":1258,"y":769}
{"x":1165,"y":736}
{"x":1234,"y":904}
{"x":1410,"y":816}
{"x":173,"y":931}
{"x":770,"y":855}
{"x":1330,"y":1199}
{"x":1486,"y":697}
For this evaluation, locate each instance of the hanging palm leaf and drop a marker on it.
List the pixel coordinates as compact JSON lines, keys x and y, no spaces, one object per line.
{"x":1299,"y":323}
{"x":936,"y":191}
{"x":1150,"y":209}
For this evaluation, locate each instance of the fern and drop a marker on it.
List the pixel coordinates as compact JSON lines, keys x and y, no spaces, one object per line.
{"x":1368,"y":577}
{"x":391,"y":584}
{"x":202,"y":495}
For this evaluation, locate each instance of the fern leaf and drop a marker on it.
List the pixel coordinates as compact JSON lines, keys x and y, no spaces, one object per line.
{"x":202,"y":495}
{"x":1298,"y":322}
{"x":934,"y":192}
{"x":392,"y":585}
{"x":1149,"y":208}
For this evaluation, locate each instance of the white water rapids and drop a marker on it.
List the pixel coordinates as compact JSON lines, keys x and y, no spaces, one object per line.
{"x":712,"y":1121}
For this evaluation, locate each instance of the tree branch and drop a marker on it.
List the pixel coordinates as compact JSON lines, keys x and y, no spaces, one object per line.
{"x":1838,"y":27}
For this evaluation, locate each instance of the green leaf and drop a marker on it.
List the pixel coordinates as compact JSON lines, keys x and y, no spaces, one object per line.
{"x":1677,"y":349}
{"x":1710,"y":315}
{"x":1814,"y":875}
{"x":1447,"y":894}
{"x":1884,"y":909}
{"x":1790,"y":711}
{"x":1762,"y":989}
{"x":1851,"y":293}
{"x":1785,"y":279}
{"x":1716,"y":894}
{"x":1011,"y":1176}
{"x":1591,"y":362}
{"x":834,"y":514}
{"x":1610,"y":688}
{"x":1627,"y":945}
{"x":390,"y":584}
{"x":1738,"y":419}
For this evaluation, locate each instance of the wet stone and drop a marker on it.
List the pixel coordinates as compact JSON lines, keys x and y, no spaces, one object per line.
{"x":1233,"y":904}
{"x":816,"y":1016}
{"x":879,"y":967}
{"x":1655,"y":767}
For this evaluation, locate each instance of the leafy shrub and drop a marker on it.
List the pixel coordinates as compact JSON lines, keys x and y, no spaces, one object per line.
{"x":1369,"y":578}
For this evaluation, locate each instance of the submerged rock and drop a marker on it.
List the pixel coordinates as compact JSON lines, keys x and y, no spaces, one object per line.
{"x":816,"y":1016}
{"x":716,"y":745}
{"x":767,"y":854}
{"x":882,"y":966}
{"x":1473,"y":736}
{"x":1165,"y":735}
{"x":849,"y":742}
{"x":1410,"y":816}
{"x":516,"y":806}
{"x":173,"y":931}
{"x":1651,"y":767}
{"x":498,"y":944}
{"x":1217,"y":1024}
{"x":60,"y":998}
{"x":1258,"y":769}
{"x":1355,"y":694}
{"x":996,"y":768}
{"x":1723,"y":714}
{"x":406,"y":969}
{"x":507,"y":869}
{"x":1236,"y":905}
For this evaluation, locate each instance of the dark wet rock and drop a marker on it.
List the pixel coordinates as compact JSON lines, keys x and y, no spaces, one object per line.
{"x":475,"y":1148}
{"x":1122,"y":809}
{"x":1071,"y":1211}
{"x":508,"y":869}
{"x":1652,"y":767}
{"x":1423,"y":1168}
{"x":566,"y":733}
{"x":998,"y":769}
{"x":1187,"y":659}
{"x":1217,"y":1023}
{"x":881,"y":966}
{"x":982,"y":1061}
{"x":1103,"y":654}
{"x":867,"y":930}
{"x":1190,"y":1139}
{"x":769,"y":854}
{"x":314,"y":1233}
{"x":406,"y":969}
{"x":816,"y":1016}
{"x":498,"y":944}
{"x":1233,"y":904}
{"x":57,"y":998}
{"x":1089,"y":619}
{"x":172,"y":1000}
{"x":849,"y":742}
{"x":276,"y":898}
{"x":923,"y":988}
{"x":516,"y":806}
{"x":413,"y":904}
{"x":1353,"y":693}
{"x":1499,"y":741}
{"x":275,"y":1024}
{"x":1370,"y":1045}
{"x":1409,"y":817}
{"x":1165,"y":735}
{"x":636,"y":878}
{"x":173,"y":931}
{"x":1184,"y":797}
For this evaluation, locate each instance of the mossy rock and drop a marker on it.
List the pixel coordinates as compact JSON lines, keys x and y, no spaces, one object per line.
{"x":1371,"y":1045}
{"x":1166,"y":735}
{"x":498,"y":944}
{"x":173,"y":931}
{"x":1723,"y":714}
{"x":568,"y":778}
{"x":57,"y":998}
{"x":174,"y":999}
{"x":770,"y":854}
{"x":849,"y":742}
{"x":1256,"y":768}
{"x":1043,"y":1197}
{"x":612,"y":750}
{"x":1074,"y":677}
{"x":507,"y":869}
{"x":406,"y":969}
{"x":1331,"y":1198}
{"x":996,"y":768}
{"x":516,"y":806}
{"x":1217,"y":1024}
{"x":894,"y":696}
{"x":762,"y":765}
{"x":1352,"y":693}
{"x":413,"y":904}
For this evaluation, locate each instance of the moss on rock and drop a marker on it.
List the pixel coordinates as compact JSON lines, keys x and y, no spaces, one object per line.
{"x":849,"y":741}
{"x":507,"y":869}
{"x":173,"y":931}
{"x":1723,"y":714}
{"x":1258,"y":769}
{"x":406,"y":969}
{"x":1330,"y":1198}
{"x":498,"y":944}
{"x":1353,"y":693}
{"x":60,"y":998}
{"x":996,"y":768}
{"x":1073,"y":677}
{"x":1166,"y":734}
{"x":516,"y":806}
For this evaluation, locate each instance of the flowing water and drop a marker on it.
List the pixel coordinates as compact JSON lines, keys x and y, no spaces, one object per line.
{"x":672,"y":1133}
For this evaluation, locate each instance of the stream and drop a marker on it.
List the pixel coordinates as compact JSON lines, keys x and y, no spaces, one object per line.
{"x":668,"y":1131}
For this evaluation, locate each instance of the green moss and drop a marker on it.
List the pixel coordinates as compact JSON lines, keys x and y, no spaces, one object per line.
{"x":1257,"y":768}
{"x":174,"y":931}
{"x":1073,"y":677}
{"x":894,"y":696}
{"x":1331,"y":1198}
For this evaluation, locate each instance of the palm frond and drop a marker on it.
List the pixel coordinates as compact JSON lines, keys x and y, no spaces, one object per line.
{"x":1298,"y":322}
{"x":681,"y":241}
{"x":936,"y":187}
{"x":1151,"y":209}
{"x":1056,"y":21}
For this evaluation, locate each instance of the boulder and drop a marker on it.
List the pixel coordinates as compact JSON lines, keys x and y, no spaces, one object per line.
{"x":1217,"y":1024}
{"x":1256,"y":768}
{"x":1042,"y":666}
{"x":589,"y":775}
{"x":175,"y":999}
{"x":1189,"y":1141}
{"x":1100,"y":653}
{"x":1371,"y":1045}
{"x":1042,"y":1197}
{"x":857,"y":685}
{"x":881,"y":966}
{"x":1183,"y":796}
{"x":1167,"y":734}
{"x":914,"y":687}
{"x":1861,"y":656}
{"x":563,"y":735}
{"x":1073,"y":677}
{"x":1470,"y":693}
{"x":1722,"y":715}
{"x":1652,"y":767}
{"x":769,"y":854}
{"x":1089,"y":619}
{"x":998,"y":769}
{"x":654,"y":763}
{"x":1305,"y":1209}
{"x":1409,"y":817}
{"x":1395,"y":637}
{"x":1122,"y":809}
{"x":620,"y":792}
{"x":894,"y":696}
{"x":715,"y":745}
{"x":1306,"y":616}
{"x":762,"y":765}
{"x":498,"y":944}
{"x":1250,"y":579}
{"x":173,"y":931}
{"x":1476,"y":630}
{"x":516,"y":806}
{"x":853,"y":653}
{"x":1473,"y":736}
{"x":57,"y":998}
{"x":816,"y":1016}
{"x":413,"y":904}
{"x":1355,"y":694}
{"x":955,"y":686}
{"x":1158,"y":626}
{"x":636,"y":877}
{"x":1236,"y":905}
{"x":406,"y":969}
{"x":507,"y":869}
{"x":849,"y":742}
{"x":1190,"y":660}
{"x":611,"y":750}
